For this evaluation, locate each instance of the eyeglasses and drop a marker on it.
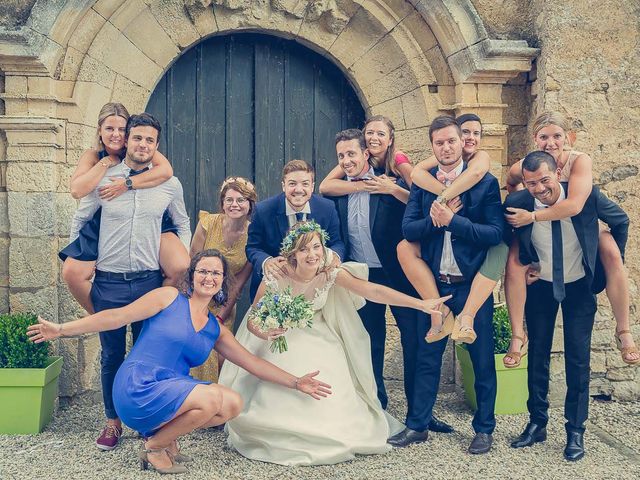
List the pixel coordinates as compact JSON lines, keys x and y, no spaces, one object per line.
{"x":240,"y":201}
{"x":213,"y":273}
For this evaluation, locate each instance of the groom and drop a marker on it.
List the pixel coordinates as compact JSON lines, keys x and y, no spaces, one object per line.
{"x":275,"y":215}
{"x":454,"y":254}
{"x":371,"y":228}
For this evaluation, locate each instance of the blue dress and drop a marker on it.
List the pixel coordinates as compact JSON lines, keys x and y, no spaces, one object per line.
{"x":154,"y":380}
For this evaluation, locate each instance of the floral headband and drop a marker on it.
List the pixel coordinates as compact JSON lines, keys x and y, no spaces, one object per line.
{"x":240,"y":180}
{"x":298,"y":229}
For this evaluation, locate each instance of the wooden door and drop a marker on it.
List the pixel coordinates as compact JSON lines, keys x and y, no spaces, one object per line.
{"x":245,"y":104}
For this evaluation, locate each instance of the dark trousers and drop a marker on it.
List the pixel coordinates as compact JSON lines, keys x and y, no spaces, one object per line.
{"x":429,"y":364}
{"x":373,"y":319}
{"x":578,"y":311}
{"x":106,"y":294}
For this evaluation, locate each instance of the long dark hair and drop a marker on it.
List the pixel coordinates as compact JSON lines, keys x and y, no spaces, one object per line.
{"x":187,"y":282}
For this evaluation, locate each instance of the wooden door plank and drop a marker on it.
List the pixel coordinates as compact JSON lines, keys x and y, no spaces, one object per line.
{"x":328,"y":118}
{"x":269,"y":116}
{"x":211,"y":170}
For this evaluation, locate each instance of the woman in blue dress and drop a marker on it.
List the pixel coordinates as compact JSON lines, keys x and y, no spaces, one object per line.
{"x":153,"y":392}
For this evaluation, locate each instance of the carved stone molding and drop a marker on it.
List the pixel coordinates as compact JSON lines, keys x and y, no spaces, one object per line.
{"x":325,"y":12}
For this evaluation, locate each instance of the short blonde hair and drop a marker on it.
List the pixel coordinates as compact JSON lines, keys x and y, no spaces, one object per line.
{"x":108,"y":110}
{"x":297,"y":166}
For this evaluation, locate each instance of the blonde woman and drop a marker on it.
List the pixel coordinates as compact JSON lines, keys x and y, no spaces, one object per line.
{"x":227,"y":232}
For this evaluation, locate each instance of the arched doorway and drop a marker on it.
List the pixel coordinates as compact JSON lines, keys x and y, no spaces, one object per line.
{"x":245,"y":104}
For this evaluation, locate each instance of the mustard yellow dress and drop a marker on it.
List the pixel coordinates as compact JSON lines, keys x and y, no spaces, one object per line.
{"x":236,"y":258}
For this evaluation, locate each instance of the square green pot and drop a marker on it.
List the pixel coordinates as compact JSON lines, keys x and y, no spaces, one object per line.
{"x":28,"y":396}
{"x":512,"y":383}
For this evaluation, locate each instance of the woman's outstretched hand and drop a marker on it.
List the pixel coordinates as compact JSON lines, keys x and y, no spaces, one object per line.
{"x":44,"y":331}
{"x":432,"y":305}
{"x":315,"y":388}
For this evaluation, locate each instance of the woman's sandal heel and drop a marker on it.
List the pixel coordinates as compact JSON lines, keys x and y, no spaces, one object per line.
{"x":516,"y":356}
{"x":625,"y":351}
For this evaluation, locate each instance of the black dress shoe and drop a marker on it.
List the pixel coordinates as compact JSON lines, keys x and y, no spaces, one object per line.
{"x":575,"y":446}
{"x":439,"y":426}
{"x":532,"y":434}
{"x":481,"y":443}
{"x":407,"y":437}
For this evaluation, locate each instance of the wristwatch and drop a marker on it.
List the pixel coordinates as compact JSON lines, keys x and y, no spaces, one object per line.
{"x":128,"y":183}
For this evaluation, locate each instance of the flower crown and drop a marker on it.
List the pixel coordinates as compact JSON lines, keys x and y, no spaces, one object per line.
{"x":301,"y":228}
{"x":240,"y":180}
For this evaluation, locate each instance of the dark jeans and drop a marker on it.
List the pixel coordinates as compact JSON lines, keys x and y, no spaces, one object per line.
{"x":429,"y":364}
{"x":106,"y":294}
{"x":578,"y":311}
{"x":373,"y":319}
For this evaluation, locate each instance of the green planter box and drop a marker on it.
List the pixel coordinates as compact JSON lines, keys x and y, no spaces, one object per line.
{"x":512,"y":383}
{"x":27,"y":397}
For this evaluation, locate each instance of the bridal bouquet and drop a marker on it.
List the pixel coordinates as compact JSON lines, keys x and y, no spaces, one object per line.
{"x":281,"y":310}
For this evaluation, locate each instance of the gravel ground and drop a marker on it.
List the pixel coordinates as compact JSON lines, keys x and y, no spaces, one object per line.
{"x":65,"y":450}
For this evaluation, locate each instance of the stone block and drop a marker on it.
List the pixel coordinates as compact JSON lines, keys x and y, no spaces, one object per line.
{"x":172,"y":16}
{"x":43,"y":302}
{"x":96,"y":71}
{"x":419,"y":107}
{"x":32,"y":262}
{"x":106,"y":8}
{"x":4,"y":261}
{"x":71,"y":65}
{"x":89,"y":98}
{"x":130,"y":94}
{"x":414,"y":141}
{"x":65,"y":206}
{"x":31,"y":177}
{"x":81,"y":365}
{"x":130,"y":61}
{"x":383,"y":58}
{"x":4,"y":214}
{"x":420,"y":32}
{"x":598,"y":362}
{"x":628,"y":391}
{"x":393,"y":110}
{"x":467,"y":93}
{"x":4,"y":300}
{"x":79,"y":136}
{"x":39,"y":85}
{"x":29,"y":153}
{"x":516,"y":97}
{"x":86,"y":30}
{"x":621,"y":374}
{"x":130,"y":11}
{"x":489,"y":93}
{"x":145,"y":32}
{"x":361,"y":33}
{"x":15,"y":84}
{"x":393,"y":85}
{"x":32,"y":214}
{"x":68,"y":308}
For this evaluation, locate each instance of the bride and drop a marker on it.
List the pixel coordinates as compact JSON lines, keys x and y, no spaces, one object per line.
{"x":276,"y":426}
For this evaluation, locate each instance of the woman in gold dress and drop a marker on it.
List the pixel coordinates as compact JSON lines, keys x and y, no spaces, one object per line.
{"x":226,"y":232}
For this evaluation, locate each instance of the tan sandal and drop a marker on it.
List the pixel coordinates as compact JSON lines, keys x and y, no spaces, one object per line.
{"x":445,"y":329}
{"x":516,"y":356}
{"x":625,"y":351}
{"x":463,"y":333}
{"x":145,"y":463}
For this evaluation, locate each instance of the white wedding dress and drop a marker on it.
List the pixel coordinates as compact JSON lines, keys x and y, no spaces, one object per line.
{"x":284,"y":426}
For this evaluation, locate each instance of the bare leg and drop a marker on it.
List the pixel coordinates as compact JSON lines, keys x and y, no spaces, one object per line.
{"x":481,"y":288}
{"x":515,"y":289}
{"x":206,"y":404}
{"x":77,"y":275}
{"x":617,"y":288}
{"x":421,"y":277}
{"x":174,"y":259}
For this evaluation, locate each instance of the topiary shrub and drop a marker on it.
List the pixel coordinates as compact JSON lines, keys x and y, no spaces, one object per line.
{"x":16,"y":350}
{"x":501,"y":329}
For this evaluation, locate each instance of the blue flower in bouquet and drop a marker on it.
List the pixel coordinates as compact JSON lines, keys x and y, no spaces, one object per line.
{"x":281,"y":310}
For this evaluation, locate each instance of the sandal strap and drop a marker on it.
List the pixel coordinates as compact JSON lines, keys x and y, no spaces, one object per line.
{"x":518,"y":337}
{"x":517,"y":356}
{"x":622,"y":332}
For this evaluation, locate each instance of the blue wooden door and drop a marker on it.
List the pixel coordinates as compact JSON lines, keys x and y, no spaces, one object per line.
{"x":245,"y":104}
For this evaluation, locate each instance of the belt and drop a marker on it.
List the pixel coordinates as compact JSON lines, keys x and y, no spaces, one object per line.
{"x":449,"y":279}
{"x":126,"y":275}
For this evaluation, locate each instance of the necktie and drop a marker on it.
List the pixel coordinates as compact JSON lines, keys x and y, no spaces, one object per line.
{"x":557,"y":259}
{"x":133,"y":173}
{"x":299,"y":216}
{"x":445,"y":177}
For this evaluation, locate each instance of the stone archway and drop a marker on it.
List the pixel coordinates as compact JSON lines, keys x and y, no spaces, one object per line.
{"x":409,"y":60}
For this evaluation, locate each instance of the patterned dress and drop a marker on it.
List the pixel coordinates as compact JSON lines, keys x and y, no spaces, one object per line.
{"x":236,"y":258}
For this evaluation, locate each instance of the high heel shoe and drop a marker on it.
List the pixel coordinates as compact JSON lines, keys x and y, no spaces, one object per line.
{"x":624,"y":351}
{"x":145,"y":463}
{"x":516,"y":356}
{"x":463,"y":333}
{"x":180,"y":457}
{"x":445,"y":329}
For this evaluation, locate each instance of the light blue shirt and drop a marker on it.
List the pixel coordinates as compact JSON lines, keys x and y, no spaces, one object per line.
{"x":362,"y":249}
{"x":130,"y":224}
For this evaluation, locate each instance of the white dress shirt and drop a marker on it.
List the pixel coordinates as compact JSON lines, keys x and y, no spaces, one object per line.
{"x":448,"y":263}
{"x":361,"y":244}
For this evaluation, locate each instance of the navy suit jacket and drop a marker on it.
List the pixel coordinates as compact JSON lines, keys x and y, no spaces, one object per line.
{"x":270,"y":224}
{"x":586,"y":226}
{"x":475,"y":228}
{"x":385,"y":224}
